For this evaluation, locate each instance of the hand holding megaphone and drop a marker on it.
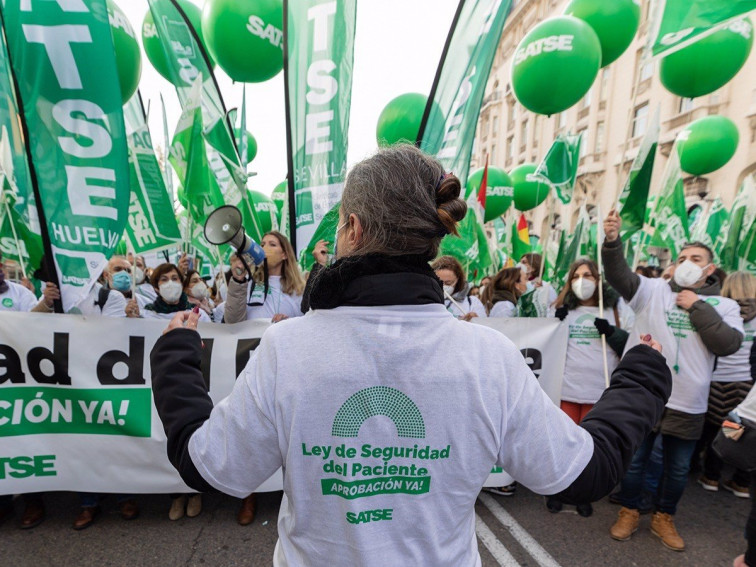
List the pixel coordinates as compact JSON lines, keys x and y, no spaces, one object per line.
{"x":224,"y":226}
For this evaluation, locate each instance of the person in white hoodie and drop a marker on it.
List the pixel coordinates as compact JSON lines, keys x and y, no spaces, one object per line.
{"x":387,"y":431}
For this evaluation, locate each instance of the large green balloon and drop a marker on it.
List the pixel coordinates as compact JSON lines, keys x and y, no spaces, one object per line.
{"x":555,"y":64}
{"x":245,"y":37}
{"x":152,"y":45}
{"x":265,"y":209}
{"x":280,"y":195}
{"x":614,"y":21}
{"x":127,"y":53}
{"x":706,"y":65}
{"x":527,"y":194}
{"x":251,"y":144}
{"x":499,"y":190}
{"x":707,"y":144}
{"x":400,"y":119}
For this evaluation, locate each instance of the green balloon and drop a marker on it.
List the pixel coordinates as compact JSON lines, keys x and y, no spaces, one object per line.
{"x":251,"y":144}
{"x":280,"y":195}
{"x":127,"y":53}
{"x":527,"y":194}
{"x":499,"y":190}
{"x":555,"y":64}
{"x":245,"y":37}
{"x":152,"y":45}
{"x":709,"y":63}
{"x":266,"y":211}
{"x":614,"y":21}
{"x":400,"y":119}
{"x":707,"y":144}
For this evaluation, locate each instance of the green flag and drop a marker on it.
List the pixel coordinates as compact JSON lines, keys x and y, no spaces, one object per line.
{"x":738,"y":249}
{"x":17,"y":241}
{"x":470,"y":247}
{"x":670,"y":217}
{"x":151,"y":222}
{"x":319,"y":47}
{"x":572,"y":251}
{"x":64,"y":63}
{"x":451,"y":115}
{"x":560,"y":165}
{"x":683,"y":22}
{"x":709,"y":228}
{"x":633,"y":201}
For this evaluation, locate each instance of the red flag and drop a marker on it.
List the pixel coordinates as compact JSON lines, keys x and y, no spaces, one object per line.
{"x":483,"y":187}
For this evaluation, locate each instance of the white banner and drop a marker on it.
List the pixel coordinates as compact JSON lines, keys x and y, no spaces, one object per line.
{"x":76,"y":409}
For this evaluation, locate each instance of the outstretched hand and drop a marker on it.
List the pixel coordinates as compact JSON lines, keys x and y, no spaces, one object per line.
{"x":648,"y":340}
{"x":183,"y":320}
{"x":612,"y":225}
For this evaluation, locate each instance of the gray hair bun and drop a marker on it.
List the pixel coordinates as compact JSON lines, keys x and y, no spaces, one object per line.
{"x":450,"y":208}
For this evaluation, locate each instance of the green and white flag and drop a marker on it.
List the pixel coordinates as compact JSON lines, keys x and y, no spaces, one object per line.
{"x":633,"y":199}
{"x":64,"y":62}
{"x":152,"y":224}
{"x":670,"y":217}
{"x":453,"y":109}
{"x":17,"y":241}
{"x":682,"y":22}
{"x":577,"y":247}
{"x":709,"y":227}
{"x":560,"y":165}
{"x":319,"y":48}
{"x":470,"y":247}
{"x":738,"y":250}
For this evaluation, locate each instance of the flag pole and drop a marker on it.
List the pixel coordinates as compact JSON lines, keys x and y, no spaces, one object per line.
{"x":455,"y":303}
{"x":552,"y":207}
{"x":600,"y":234}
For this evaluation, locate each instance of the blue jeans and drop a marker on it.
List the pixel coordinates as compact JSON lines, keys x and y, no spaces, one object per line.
{"x":676,"y":465}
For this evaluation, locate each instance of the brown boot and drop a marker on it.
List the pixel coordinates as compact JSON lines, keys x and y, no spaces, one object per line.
{"x":626,"y":524}
{"x":86,"y":517}
{"x":34,"y":514}
{"x":663,"y":526}
{"x":247,"y":511}
{"x":129,"y":509}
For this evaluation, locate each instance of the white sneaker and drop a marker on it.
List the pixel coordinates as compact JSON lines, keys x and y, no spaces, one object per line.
{"x":508,"y":490}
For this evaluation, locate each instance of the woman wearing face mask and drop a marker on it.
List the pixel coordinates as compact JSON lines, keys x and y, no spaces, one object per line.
{"x":501,"y":295}
{"x":167,"y":282}
{"x":275,"y":291}
{"x":539,"y":298}
{"x":456,"y":299}
{"x":730,"y":384}
{"x":198,"y":293}
{"x":584,"y":381}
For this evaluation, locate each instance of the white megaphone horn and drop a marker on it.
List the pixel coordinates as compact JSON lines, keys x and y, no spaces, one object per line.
{"x":224,"y":226}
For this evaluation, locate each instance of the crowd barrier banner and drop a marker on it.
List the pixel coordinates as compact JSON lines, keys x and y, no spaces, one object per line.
{"x":76,"y":409}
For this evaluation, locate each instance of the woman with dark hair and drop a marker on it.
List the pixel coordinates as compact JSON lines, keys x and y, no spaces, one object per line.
{"x":501,"y":295}
{"x":458,"y":302}
{"x":198,"y":293}
{"x":167,"y":282}
{"x":584,"y":381}
{"x":369,"y":413}
{"x":275,"y":290}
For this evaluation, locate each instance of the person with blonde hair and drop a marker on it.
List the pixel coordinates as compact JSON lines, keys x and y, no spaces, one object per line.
{"x":384,"y":410}
{"x":730,"y":384}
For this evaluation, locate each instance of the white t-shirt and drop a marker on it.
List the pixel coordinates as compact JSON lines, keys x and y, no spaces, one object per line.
{"x":690,"y":362}
{"x":338,"y":423}
{"x":275,"y":302}
{"x":17,"y":298}
{"x":219,"y":312}
{"x":145,"y":289}
{"x":115,"y":306}
{"x":584,"y":381}
{"x":736,"y":367}
{"x":503,"y":309}
{"x":468,"y":304}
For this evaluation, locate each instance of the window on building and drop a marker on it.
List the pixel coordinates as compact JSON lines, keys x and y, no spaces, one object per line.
{"x":585,"y":102}
{"x":584,"y":143}
{"x":524,"y":132}
{"x":686,"y":105}
{"x":645,"y":69}
{"x":493,"y":153}
{"x":604,"y":84}
{"x":598,"y":142}
{"x":640,"y":120}
{"x":510,"y":149}
{"x":494,"y":125}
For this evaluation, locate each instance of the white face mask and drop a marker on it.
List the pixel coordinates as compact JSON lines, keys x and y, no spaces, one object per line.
{"x":448,"y":290}
{"x":200,"y":291}
{"x":138,"y":276}
{"x":171,"y":291}
{"x":529,"y":287}
{"x":583,"y":288}
{"x":688,"y":273}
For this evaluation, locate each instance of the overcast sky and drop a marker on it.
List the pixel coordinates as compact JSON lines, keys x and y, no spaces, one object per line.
{"x":398,"y":45}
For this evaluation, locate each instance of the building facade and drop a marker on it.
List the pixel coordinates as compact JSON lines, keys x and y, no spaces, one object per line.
{"x":613,"y":119}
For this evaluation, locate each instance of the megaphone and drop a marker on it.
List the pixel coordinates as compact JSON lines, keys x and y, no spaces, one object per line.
{"x":224,"y":226}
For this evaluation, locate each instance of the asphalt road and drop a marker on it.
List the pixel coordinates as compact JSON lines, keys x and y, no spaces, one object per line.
{"x":518,"y":530}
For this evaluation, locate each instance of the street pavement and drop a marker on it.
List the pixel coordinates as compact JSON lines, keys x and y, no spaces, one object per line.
{"x":514,"y":531}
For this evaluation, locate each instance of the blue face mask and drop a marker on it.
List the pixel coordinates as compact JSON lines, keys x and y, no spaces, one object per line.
{"x":121,"y":281}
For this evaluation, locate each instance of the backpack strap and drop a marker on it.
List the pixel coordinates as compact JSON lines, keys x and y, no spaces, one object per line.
{"x":102,"y":297}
